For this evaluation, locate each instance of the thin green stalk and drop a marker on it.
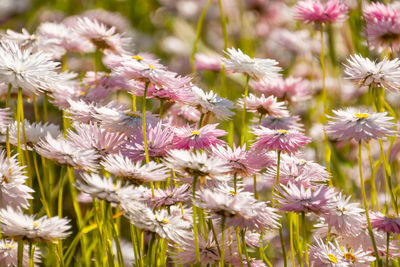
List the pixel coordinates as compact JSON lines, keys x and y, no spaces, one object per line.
{"x":133,"y":103}
{"x":225,"y":33}
{"x":244,"y":247}
{"x":374,"y":195}
{"x":211,"y":225}
{"x":198,"y":35}
{"x":35,"y":108}
{"x":8,"y":128}
{"x":19,"y":104}
{"x":201,"y":120}
{"x":20,"y":253}
{"x":291,"y":238}
{"x":32,"y":248}
{"x":134,"y":243}
{"x":255,"y":186}
{"x":246,"y":92}
{"x":278,"y":167}
{"x":115,"y":236}
{"x":283,"y":247}
{"x":364,"y":197}
{"x":235,"y":182}
{"x":45,"y":107}
{"x":239,"y":246}
{"x":41,"y":189}
{"x":387,"y":247}
{"x":146,"y":148}
{"x":196,"y":240}
{"x":222,"y":260}
{"x":304,"y":225}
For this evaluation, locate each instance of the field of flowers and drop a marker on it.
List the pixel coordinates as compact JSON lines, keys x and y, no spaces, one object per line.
{"x":199,"y":133}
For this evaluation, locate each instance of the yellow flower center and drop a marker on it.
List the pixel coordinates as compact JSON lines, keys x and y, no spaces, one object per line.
{"x":349,"y":256}
{"x":332,"y":258}
{"x":82,"y":93}
{"x":36,"y":224}
{"x":137,"y":57}
{"x":362,"y":115}
{"x":164,"y":221}
{"x":151,"y":67}
{"x":8,"y":246}
{"x":232,"y":192}
{"x":195,"y":132}
{"x":283,"y":131}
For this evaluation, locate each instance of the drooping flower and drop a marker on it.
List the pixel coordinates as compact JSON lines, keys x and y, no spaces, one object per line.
{"x":202,"y":138}
{"x":257,"y":68}
{"x":264,"y":105}
{"x":13,"y":191}
{"x":366,"y":72}
{"x":314,"y":11}
{"x":287,"y":141}
{"x":134,"y":172}
{"x":17,"y":225}
{"x":387,"y":223}
{"x":296,"y":198}
{"x":29,"y":70}
{"x":359,"y":125}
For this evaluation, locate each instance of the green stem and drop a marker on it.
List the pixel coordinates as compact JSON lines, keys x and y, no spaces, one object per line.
{"x":364,"y":197}
{"x":8,"y":128}
{"x":304,"y":225}
{"x":283,"y":247}
{"x":20,"y":253}
{"x":32,"y":255}
{"x":278,"y":167}
{"x":19,"y":111}
{"x":244,"y":246}
{"x":196,"y":241}
{"x":291,"y":239}
{"x":246,"y":92}
{"x":235,"y":182}
{"x":41,"y":189}
{"x":239,"y":246}
{"x":222,"y":260}
{"x":387,"y":247}
{"x":35,"y":108}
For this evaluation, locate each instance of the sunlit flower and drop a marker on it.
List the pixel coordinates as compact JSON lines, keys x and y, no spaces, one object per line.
{"x":386,"y":223}
{"x":315,"y":11}
{"x":169,"y":196}
{"x":284,"y":123}
{"x":264,"y":105}
{"x":202,"y":138}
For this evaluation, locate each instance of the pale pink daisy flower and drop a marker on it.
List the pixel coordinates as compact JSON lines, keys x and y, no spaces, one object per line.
{"x":110,"y":81}
{"x":240,"y":209}
{"x":9,"y":254}
{"x":93,"y":136}
{"x":359,"y":125}
{"x":264,"y":105}
{"x":64,"y":89}
{"x":168,"y":197}
{"x":203,"y":138}
{"x":180,"y":114}
{"x":5,"y":117}
{"x":256,"y":68}
{"x":134,"y":172}
{"x":20,"y":226}
{"x":207,"y":62}
{"x":296,"y":198}
{"x":285,"y":123}
{"x":101,"y":36}
{"x":314,"y":11}
{"x":293,"y":89}
{"x":385,"y":222}
{"x":29,"y":70}
{"x":366,"y":72}
{"x":242,"y":162}
{"x":376,"y":11}
{"x":343,"y":216}
{"x":287,"y":141}
{"x":159,"y":141}
{"x":13,"y":191}
{"x":64,"y":152}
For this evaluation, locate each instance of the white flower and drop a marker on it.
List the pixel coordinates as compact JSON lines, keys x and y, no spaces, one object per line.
{"x":9,"y":254}
{"x":25,"y":69}
{"x":18,"y":225}
{"x":211,"y":102}
{"x":13,"y":191}
{"x":257,"y":68}
{"x":123,"y":167}
{"x":366,"y":72}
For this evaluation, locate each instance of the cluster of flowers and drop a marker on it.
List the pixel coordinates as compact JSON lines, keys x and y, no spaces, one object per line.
{"x":188,"y":195}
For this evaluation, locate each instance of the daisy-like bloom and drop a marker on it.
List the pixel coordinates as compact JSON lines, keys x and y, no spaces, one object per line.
{"x":240,"y":209}
{"x":314,"y":11}
{"x":5,"y":117}
{"x":366,"y":72}
{"x":284,"y":123}
{"x":203,"y":138}
{"x":256,"y":68}
{"x":13,"y":191}
{"x":167,"y":224}
{"x":159,"y":141}
{"x":29,"y":70}
{"x":264,"y":105}
{"x":64,"y":89}
{"x":296,"y":198}
{"x":209,"y":102}
{"x":242,"y":162}
{"x":359,"y":125}
{"x":387,"y":223}
{"x":19,"y":226}
{"x":168,"y":197}
{"x":377,"y":11}
{"x":179,"y":114}
{"x":197,"y":163}
{"x":292,"y":89}
{"x":343,"y":216}
{"x":134,"y":172}
{"x":206,"y":62}
{"x":92,"y":136}
{"x":33,"y":133}
{"x":105,"y":188}
{"x":65,"y":152}
{"x":333,"y":254}
{"x":85,"y":112}
{"x":288,"y":141}
{"x":102,"y":37}
{"x":9,"y":254}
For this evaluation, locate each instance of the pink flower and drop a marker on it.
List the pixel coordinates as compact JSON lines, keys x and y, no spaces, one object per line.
{"x":379,"y":12}
{"x":203,"y":138}
{"x":311,"y":11}
{"x":264,"y":105}
{"x":386,"y":223}
{"x":169,"y":196}
{"x":284,"y":123}
{"x":288,"y":141}
{"x":205,"y":62}
{"x":298,"y":199}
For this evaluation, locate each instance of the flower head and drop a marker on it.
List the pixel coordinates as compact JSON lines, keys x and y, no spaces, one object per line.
{"x":359,"y":125}
{"x":264,"y":105}
{"x":314,"y":11}
{"x":168,"y":197}
{"x":386,"y":223}
{"x":203,"y":138}
{"x":9,"y":254}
